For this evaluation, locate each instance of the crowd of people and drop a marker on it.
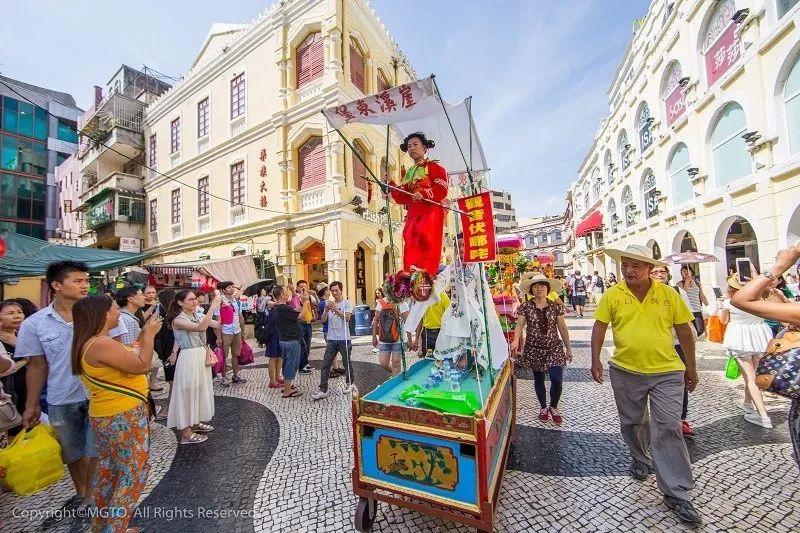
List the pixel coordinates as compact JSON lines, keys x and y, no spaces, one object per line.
{"x":88,"y":364}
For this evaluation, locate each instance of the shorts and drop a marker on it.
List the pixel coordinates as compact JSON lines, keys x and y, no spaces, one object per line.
{"x":393,"y":347}
{"x":579,"y":300}
{"x":73,"y":430}
{"x":291,"y":358}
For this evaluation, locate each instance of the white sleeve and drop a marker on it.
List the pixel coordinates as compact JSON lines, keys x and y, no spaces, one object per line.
{"x":120,"y":330}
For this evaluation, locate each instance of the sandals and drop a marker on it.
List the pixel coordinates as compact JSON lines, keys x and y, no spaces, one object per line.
{"x":202,"y":428}
{"x":194,"y":439}
{"x":275,"y":385}
{"x":294,"y":394}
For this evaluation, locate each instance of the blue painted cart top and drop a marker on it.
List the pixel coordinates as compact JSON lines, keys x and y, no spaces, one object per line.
{"x":389,"y":392}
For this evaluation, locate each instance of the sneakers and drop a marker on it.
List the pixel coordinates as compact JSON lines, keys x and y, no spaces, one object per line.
{"x":747,"y":407}
{"x":639,"y":470}
{"x":684,"y":510}
{"x":319,"y":395}
{"x":350,"y":389}
{"x":68,"y":509}
{"x":305,"y":370}
{"x":687,"y":429}
{"x":225,"y":382}
{"x":757,"y":419}
{"x":237,"y":379}
{"x":374,"y":350}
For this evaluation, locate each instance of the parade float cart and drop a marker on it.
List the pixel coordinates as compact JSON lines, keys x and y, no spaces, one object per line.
{"x":442,"y":464}
{"x":443,"y":458}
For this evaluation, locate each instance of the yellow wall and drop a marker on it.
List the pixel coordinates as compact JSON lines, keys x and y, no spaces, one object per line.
{"x":29,"y":288}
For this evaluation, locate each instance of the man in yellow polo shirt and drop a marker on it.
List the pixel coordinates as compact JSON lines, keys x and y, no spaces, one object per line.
{"x":428,"y":330}
{"x":645,"y":366}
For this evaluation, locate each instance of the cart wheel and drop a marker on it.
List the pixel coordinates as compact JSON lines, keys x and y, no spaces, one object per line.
{"x":366,"y":510}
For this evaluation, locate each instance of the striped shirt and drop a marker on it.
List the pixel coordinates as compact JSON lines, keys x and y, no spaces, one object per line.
{"x":693,"y":293}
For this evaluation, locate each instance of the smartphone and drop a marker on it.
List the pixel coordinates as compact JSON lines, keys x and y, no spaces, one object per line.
{"x":157,"y":311}
{"x":744,"y":269}
{"x":718,"y":292}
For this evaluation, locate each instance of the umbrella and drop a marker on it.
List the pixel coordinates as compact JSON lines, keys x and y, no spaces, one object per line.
{"x":686,"y":258}
{"x":253,"y":288}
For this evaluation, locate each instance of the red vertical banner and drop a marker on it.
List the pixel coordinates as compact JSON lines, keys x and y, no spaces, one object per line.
{"x":477,"y":221}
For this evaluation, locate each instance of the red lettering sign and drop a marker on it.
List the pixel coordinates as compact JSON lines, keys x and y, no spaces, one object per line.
{"x":385,"y":102}
{"x":345,"y":113}
{"x":263,"y":155}
{"x":364,"y":109}
{"x":408,"y":96}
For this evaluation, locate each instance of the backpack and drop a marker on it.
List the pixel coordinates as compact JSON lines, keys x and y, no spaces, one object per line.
{"x":599,"y":282}
{"x":580,"y":285}
{"x":388,"y":322}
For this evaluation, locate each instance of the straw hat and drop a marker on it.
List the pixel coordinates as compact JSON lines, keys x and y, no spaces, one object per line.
{"x":733,"y":282}
{"x":530,"y":278}
{"x":636,"y":252}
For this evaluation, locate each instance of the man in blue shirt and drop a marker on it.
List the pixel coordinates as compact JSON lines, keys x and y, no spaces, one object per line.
{"x":45,"y":338}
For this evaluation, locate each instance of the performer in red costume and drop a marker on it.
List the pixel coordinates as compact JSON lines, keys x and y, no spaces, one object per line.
{"x":422,"y":234}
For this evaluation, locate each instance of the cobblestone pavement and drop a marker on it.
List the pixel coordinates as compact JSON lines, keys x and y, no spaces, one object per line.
{"x":275,"y":464}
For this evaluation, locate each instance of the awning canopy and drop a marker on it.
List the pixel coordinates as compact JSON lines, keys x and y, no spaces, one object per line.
{"x":241,"y":269}
{"x":591,"y":223}
{"x":27,"y":256}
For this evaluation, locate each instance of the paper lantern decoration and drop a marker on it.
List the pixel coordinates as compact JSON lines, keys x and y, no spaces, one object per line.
{"x":2,"y":247}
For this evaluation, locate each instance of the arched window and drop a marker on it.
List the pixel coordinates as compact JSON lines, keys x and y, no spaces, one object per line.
{"x":608,"y":162}
{"x":649,"y":196}
{"x":678,"y":170}
{"x":310,"y":59}
{"x":383,"y":84}
{"x":586,"y":199}
{"x":613,"y":218}
{"x":784,"y":6}
{"x":628,"y":206}
{"x":792,"y":95}
{"x":721,"y":47}
{"x":359,"y":170}
{"x":357,"y":66}
{"x":597,"y":183}
{"x":530,"y":241}
{"x":541,"y":238}
{"x":645,"y":122}
{"x":559,"y":257}
{"x":672,"y":95}
{"x":311,"y":164}
{"x":728,"y":148}
{"x":555,"y":236}
{"x":623,"y":149}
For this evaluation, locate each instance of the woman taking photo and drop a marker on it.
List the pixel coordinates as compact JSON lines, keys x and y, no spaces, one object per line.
{"x":748,"y":299}
{"x":697,"y":299}
{"x":546,"y":337}
{"x":192,"y":400}
{"x":746,"y":338}
{"x":115,"y":377}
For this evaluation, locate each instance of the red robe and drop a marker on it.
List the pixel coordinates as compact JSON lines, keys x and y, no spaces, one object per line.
{"x":422,"y":234}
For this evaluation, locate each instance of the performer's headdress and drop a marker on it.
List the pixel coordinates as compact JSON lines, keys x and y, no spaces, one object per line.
{"x":419,"y":135}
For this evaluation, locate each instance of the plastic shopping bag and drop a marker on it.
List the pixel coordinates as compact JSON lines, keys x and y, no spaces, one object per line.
{"x":732,"y":370}
{"x":32,"y":461}
{"x":220,"y":366}
{"x":246,"y":355}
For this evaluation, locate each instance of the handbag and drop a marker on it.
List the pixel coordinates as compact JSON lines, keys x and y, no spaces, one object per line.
{"x":211,"y":357}
{"x":246,"y":354}
{"x":732,"y":370}
{"x":9,"y":415}
{"x":779,"y":370}
{"x":219,"y":366}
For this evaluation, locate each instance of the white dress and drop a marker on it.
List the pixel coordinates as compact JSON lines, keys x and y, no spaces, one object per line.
{"x":746,"y":334}
{"x":192,"y":398}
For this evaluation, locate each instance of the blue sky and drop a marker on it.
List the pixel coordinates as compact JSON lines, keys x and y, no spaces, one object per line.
{"x":538,"y":70}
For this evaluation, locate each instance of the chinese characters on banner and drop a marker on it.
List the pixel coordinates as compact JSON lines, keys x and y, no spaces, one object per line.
{"x":478,"y":228}
{"x":675,"y":104}
{"x":262,"y":188}
{"x":722,"y":55}
{"x":386,"y":106}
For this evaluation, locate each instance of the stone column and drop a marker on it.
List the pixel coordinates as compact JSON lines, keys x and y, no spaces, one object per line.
{"x":334,"y":63}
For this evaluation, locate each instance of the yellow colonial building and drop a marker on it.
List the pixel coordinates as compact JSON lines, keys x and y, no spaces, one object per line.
{"x":701,"y":147}
{"x":246,"y":161}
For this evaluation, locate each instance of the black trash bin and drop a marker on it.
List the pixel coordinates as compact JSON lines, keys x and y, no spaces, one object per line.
{"x":363,"y":320}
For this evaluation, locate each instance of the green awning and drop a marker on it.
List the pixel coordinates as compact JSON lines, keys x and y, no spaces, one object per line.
{"x":27,"y":256}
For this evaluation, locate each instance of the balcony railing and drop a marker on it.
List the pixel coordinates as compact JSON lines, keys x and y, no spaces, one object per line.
{"x":115,"y":111}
